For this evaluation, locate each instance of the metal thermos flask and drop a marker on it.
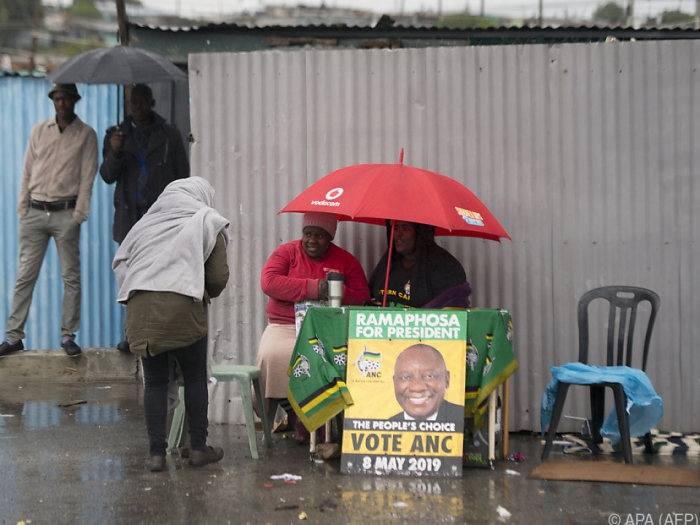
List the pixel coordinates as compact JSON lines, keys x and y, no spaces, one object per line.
{"x":335,"y":289}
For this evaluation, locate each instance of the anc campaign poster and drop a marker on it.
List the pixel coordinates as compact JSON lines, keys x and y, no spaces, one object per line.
{"x":406,"y":372}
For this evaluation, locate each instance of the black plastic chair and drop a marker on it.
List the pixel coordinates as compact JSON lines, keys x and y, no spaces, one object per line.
{"x":621,"y":319}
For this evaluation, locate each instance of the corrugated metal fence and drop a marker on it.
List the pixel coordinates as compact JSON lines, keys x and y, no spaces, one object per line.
{"x":23,"y":103}
{"x":586,"y":153}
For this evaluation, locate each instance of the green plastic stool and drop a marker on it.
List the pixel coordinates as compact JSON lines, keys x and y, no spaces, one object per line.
{"x":244,"y":375}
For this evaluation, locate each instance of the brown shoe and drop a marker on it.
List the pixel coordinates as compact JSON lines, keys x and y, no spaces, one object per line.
{"x":156,"y":463}
{"x":199,"y":458}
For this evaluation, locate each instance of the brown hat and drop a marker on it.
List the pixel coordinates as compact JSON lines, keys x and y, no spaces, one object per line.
{"x":71,"y":89}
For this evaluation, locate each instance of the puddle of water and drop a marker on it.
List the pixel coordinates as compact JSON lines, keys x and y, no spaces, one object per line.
{"x":403,"y":499}
{"x":102,"y":469}
{"x":41,"y":415}
{"x":98,"y":414}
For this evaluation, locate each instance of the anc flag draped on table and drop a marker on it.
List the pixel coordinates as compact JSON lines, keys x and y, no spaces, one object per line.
{"x":490,"y":358}
{"x":317,"y":389}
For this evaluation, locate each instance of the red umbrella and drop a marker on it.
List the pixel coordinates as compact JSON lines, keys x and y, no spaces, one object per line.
{"x":372,"y":193}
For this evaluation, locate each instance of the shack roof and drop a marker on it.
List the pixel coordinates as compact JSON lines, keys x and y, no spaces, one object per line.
{"x":176,"y":43}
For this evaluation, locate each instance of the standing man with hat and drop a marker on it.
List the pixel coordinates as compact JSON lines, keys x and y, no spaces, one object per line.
{"x":54,"y":199}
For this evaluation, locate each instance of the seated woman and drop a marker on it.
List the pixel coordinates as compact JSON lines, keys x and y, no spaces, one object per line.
{"x":296,"y":271}
{"x":420,"y":269}
{"x":168,"y":267}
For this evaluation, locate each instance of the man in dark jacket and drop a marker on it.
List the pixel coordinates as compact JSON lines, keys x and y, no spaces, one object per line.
{"x":142,"y":156}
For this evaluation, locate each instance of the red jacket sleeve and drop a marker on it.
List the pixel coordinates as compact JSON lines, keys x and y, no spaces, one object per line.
{"x":276,"y":283}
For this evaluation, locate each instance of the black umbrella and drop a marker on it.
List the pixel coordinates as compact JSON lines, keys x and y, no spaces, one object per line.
{"x":122,"y":65}
{"x":116,"y":65}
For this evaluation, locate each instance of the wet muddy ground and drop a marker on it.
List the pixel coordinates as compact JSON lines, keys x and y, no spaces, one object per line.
{"x":84,"y":464}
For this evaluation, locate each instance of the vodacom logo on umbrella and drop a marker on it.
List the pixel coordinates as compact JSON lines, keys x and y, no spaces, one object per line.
{"x":330,"y":196}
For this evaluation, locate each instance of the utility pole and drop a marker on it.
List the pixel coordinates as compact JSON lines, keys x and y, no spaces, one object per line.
{"x":35,"y":31}
{"x":121,"y":18}
{"x":541,"y":13}
{"x":697,"y":14}
{"x":481,"y":13}
{"x":123,"y":40}
{"x":630,"y":13}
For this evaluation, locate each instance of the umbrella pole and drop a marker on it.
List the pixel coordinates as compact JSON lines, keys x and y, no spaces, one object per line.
{"x":388,"y":264}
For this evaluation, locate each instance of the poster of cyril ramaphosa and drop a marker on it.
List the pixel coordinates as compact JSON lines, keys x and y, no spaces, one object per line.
{"x":406,"y":374}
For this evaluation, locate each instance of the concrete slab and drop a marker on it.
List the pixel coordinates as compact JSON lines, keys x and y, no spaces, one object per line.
{"x":94,"y":364}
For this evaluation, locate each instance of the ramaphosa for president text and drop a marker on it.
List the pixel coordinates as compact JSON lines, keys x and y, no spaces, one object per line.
{"x":401,"y":325}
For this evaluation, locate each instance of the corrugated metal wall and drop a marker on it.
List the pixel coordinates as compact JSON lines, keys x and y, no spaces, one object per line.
{"x":173,"y":104}
{"x":23,"y":103}
{"x":584,"y":152}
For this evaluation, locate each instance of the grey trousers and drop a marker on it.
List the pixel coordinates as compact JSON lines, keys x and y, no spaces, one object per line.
{"x":35,"y":230}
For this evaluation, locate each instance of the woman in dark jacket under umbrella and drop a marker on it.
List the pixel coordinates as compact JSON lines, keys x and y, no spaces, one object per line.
{"x":420,"y":269}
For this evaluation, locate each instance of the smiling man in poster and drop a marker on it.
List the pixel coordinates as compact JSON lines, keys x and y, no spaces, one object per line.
{"x":406,"y":372}
{"x":420,"y":381}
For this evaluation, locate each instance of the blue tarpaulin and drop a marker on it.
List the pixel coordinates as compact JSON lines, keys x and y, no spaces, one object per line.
{"x":644,"y":406}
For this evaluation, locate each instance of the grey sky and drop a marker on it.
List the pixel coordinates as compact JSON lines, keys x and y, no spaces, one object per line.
{"x":580,"y":9}
{"x":511,"y":8}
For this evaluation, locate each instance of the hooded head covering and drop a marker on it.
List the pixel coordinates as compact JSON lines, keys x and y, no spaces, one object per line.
{"x":166,"y":250}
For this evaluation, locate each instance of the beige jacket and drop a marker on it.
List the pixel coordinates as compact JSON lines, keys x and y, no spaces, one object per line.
{"x":59,"y":166}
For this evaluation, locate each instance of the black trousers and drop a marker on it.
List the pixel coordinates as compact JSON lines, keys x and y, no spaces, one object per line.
{"x":193,"y":364}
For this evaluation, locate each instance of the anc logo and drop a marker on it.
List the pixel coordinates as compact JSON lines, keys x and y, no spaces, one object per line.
{"x":472,"y":355}
{"x":318,"y":347}
{"x":509,"y":332}
{"x":301,"y":367}
{"x":340,"y":355}
{"x":489,"y":362}
{"x":369,"y":362}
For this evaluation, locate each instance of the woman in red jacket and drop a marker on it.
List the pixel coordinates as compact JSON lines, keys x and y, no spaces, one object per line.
{"x":296,"y":271}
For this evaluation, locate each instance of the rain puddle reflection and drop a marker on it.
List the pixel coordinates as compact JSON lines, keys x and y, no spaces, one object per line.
{"x":414,"y":499}
{"x":98,"y":414}
{"x":101,"y":469}
{"x":41,"y":415}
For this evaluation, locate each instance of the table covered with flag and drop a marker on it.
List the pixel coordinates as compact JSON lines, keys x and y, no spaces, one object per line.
{"x":317,"y":370}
